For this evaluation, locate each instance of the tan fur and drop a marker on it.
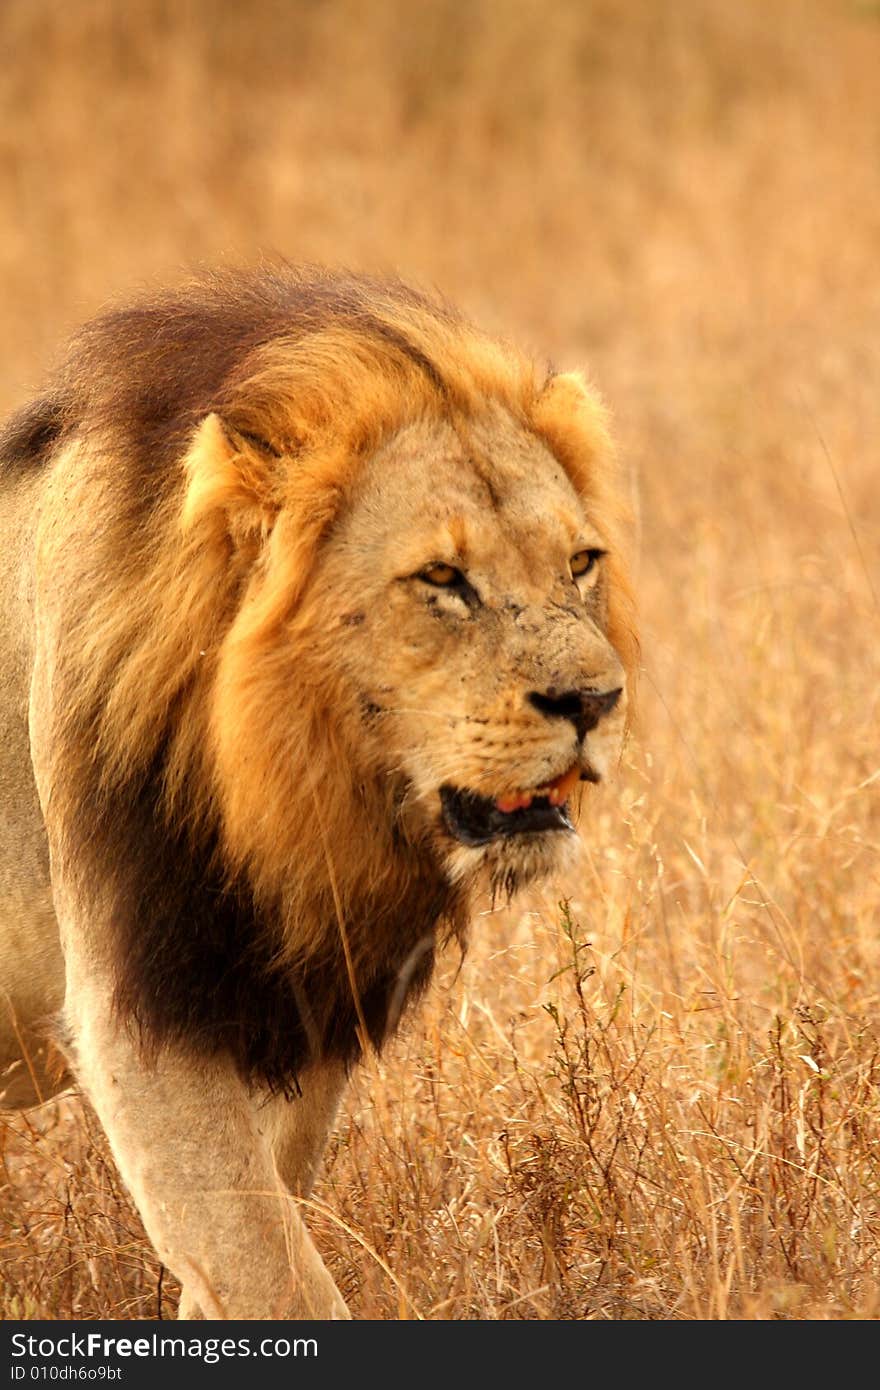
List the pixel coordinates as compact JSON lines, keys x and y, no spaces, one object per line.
{"x":230,"y":639}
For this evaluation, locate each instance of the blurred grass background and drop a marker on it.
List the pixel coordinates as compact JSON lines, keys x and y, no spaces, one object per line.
{"x":685,"y":198}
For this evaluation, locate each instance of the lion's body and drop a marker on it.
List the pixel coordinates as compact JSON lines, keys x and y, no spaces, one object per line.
{"x":288,"y":627}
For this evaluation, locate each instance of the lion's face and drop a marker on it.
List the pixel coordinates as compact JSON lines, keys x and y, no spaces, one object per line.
{"x":471,"y":599}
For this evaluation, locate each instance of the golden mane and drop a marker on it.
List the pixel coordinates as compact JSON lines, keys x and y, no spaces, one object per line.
{"x":224,"y":427}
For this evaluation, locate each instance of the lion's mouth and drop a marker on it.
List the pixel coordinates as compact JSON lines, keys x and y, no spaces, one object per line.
{"x":477,"y":820}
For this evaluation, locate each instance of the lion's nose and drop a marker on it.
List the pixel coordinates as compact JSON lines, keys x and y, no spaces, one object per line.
{"x":583,"y":707}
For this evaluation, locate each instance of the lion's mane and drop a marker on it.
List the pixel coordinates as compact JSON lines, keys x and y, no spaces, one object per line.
{"x":264,"y":903}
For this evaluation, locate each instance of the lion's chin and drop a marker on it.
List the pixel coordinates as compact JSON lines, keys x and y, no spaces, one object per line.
{"x":509,"y":864}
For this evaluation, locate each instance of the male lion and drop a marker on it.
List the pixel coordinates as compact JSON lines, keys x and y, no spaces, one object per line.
{"x":315,"y":613}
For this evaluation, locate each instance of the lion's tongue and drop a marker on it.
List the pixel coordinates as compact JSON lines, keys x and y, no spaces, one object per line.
{"x":557,"y":792}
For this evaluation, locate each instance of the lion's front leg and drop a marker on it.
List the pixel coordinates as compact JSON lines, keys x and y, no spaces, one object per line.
{"x":195,"y":1151}
{"x":297,"y":1132}
{"x":298,"y":1128}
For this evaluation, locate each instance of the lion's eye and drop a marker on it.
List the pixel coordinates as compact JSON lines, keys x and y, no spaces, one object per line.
{"x":441,"y":576}
{"x":584,"y":563}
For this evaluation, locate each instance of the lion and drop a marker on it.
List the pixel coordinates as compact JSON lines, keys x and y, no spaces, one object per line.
{"x":316,"y":617}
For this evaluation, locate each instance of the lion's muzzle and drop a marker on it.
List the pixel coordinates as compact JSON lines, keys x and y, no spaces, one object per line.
{"x":475,"y":819}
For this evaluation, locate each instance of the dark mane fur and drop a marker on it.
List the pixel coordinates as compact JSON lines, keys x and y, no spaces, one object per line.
{"x":196,"y":967}
{"x":29,"y":435}
{"x":150,"y":370}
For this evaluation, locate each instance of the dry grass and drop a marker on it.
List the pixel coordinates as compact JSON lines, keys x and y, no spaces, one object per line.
{"x":662,"y":1102}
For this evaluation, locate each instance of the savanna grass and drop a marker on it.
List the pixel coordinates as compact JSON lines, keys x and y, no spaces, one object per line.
{"x":651,"y":1092}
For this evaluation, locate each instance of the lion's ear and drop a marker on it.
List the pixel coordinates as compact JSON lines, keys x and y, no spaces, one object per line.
{"x":572,"y":418}
{"x":232,"y":479}
{"x":567,"y":389}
